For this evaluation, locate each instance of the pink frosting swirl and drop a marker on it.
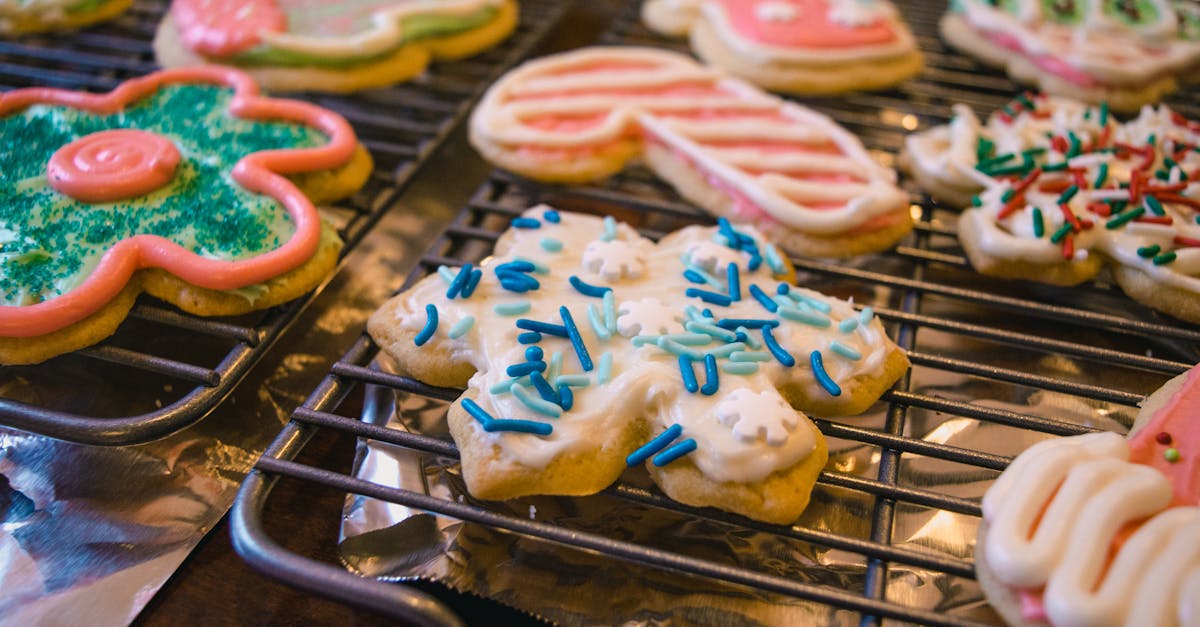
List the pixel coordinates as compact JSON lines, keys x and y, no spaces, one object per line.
{"x":113,"y":165}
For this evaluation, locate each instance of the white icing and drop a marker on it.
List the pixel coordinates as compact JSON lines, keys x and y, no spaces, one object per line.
{"x":615,"y":260}
{"x":859,"y":12}
{"x":760,"y":170}
{"x":1105,"y":48}
{"x":646,"y":382}
{"x":776,"y":12}
{"x":752,"y":416}
{"x":1092,"y":491}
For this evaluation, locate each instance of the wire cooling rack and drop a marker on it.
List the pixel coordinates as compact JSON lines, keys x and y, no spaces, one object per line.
{"x":1084,"y":351}
{"x":173,"y":368}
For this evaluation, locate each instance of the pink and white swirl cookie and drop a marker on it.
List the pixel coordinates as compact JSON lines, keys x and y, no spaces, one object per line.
{"x":1099,"y":529}
{"x":799,"y":46}
{"x":586,"y":349}
{"x":31,"y":16}
{"x":1124,"y":52}
{"x":290,"y":45}
{"x":1065,"y":189}
{"x":723,"y":144}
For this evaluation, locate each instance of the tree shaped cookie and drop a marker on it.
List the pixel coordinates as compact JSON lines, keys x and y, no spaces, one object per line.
{"x":290,"y":45}
{"x":586,"y":348}
{"x":1064,"y":189}
{"x":173,"y":183}
{"x":1099,"y":529}
{"x":723,"y":144}
{"x":799,"y":46}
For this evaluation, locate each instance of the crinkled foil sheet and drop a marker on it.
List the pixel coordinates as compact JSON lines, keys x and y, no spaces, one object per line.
{"x":569,"y":586}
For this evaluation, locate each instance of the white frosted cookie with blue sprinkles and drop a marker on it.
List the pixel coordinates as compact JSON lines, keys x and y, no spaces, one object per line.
{"x":586,"y":348}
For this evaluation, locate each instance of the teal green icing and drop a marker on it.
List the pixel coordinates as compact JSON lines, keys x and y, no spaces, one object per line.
{"x":87,"y":5}
{"x":413,"y":27}
{"x":50,"y":242}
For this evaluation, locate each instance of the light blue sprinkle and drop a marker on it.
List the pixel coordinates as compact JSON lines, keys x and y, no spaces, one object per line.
{"x":726,"y":350}
{"x":708,"y":278}
{"x":610,"y":229}
{"x":848,"y":325}
{"x":720,"y":239}
{"x":741,"y":368}
{"x":748,"y":356}
{"x":550,"y":245}
{"x":515,"y":308}
{"x":773,"y":259}
{"x":675,"y":348}
{"x":807,"y":317}
{"x":783,"y":300}
{"x":461,"y":327}
{"x":573,"y":380}
{"x":688,"y":339}
{"x":431,"y":325}
{"x":596,"y":319}
{"x":447,"y":274}
{"x":845,"y":351}
{"x":750,"y":339}
{"x":554,"y":370}
{"x":711,"y":329}
{"x":815,"y":303}
{"x":865,"y":316}
{"x":610,"y":312}
{"x":502,"y":387}
{"x":604,"y":373}
{"x":538,"y":267}
{"x":536,"y":403}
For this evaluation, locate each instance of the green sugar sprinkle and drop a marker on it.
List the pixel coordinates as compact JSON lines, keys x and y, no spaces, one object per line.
{"x":1039,"y":223}
{"x":201,"y":209}
{"x":1164,"y":258}
{"x":1101,"y":175}
{"x":1147,"y":252}
{"x":1122,"y":219}
{"x":1061,"y":232}
{"x":1171,"y":455}
{"x":1155,"y":207}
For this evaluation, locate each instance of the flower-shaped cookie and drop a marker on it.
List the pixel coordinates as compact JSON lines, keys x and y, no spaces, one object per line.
{"x":330,"y":46}
{"x":1064,"y":188}
{"x":573,"y":374}
{"x":182,"y":170}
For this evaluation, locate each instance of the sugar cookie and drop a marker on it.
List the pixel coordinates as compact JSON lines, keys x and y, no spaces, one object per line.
{"x":18,"y":17}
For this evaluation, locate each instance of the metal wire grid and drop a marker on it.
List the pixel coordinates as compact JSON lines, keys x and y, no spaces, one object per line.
{"x":196,"y":361}
{"x":930,"y":290}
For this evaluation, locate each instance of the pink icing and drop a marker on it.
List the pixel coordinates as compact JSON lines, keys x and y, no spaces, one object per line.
{"x":811,"y":29}
{"x":1053,"y":65}
{"x":224,"y":28}
{"x":258,"y":172}
{"x":113,"y":165}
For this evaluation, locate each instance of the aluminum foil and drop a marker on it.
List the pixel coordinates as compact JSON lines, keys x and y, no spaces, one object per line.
{"x":562,"y":585}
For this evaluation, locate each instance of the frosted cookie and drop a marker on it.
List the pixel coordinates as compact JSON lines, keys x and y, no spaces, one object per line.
{"x":586,"y":348}
{"x":723,"y":144}
{"x":1124,"y":52}
{"x":174,"y":184}
{"x":1099,"y":529}
{"x":290,"y":45}
{"x":798,"y":46}
{"x":31,"y":16}
{"x":1067,"y":189}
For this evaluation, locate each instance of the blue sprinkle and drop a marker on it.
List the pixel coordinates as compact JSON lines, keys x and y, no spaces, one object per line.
{"x":610,"y":312}
{"x":733,"y":323}
{"x":744,"y":336}
{"x":519,"y":265}
{"x":733,"y":278}
{"x":552,"y":216}
{"x":526,"y":223}
{"x":777,"y":350}
{"x":538,"y":267}
{"x":707,"y":313}
{"x":472,"y":283}
{"x":726,"y":229}
{"x":708,"y":297}
{"x":543,"y":387}
{"x":517,"y":282}
{"x":693,"y":276}
{"x":446,"y":273}
{"x":823,"y":377}
{"x":520,"y":426}
{"x":566,"y":398}
{"x":865,"y":316}
{"x":763,"y":299}
{"x":529,"y":337}
{"x":555,"y":368}
{"x":459,"y":282}
{"x":585,"y":360}
{"x":533,"y":353}
{"x":740,"y":368}
{"x":610,"y":229}
{"x":512,"y":309}
{"x":848,"y":325}
{"x":689,"y":374}
{"x":431,"y":324}
{"x":755,"y":262}
{"x":550,"y":245}
{"x":604,"y":374}
{"x":536,"y":404}
{"x":653,"y":446}
{"x":588,"y":290}
{"x":774,"y":261}
{"x":476,"y":412}
{"x":522,"y":369}
{"x":712,"y":330}
{"x":807,"y":317}
{"x":597,"y":322}
{"x":712,"y":382}
{"x":782,"y":289}
{"x":573,"y":380}
{"x":748,"y":356}
{"x":706,"y":277}
{"x":545,"y":328}
{"x":674,"y":452}
{"x":845,"y":351}
{"x":461,"y":327}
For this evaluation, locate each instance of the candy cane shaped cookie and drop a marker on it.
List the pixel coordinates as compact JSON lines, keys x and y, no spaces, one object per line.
{"x":1099,"y":529}
{"x":723,"y":144}
{"x":800,"y":46}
